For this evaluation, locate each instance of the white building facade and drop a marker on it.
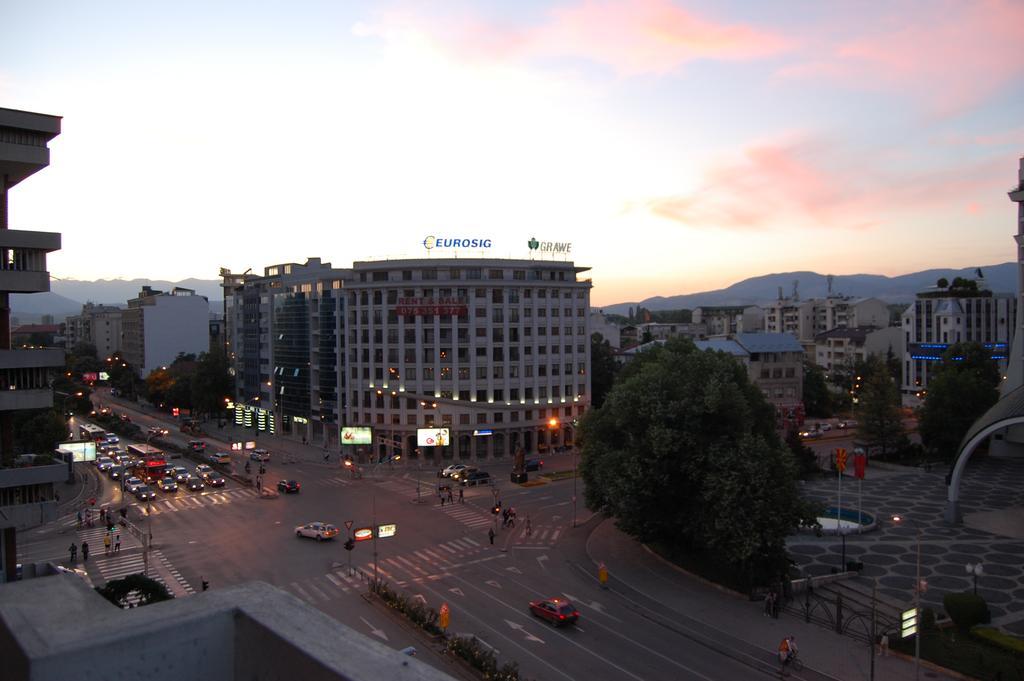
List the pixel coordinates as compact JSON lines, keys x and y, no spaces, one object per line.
{"x":158,"y":326}
{"x":729,"y":319}
{"x":496,"y":351}
{"x":98,"y":325}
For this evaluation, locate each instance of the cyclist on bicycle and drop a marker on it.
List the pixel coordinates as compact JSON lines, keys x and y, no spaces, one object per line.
{"x":787,"y":649}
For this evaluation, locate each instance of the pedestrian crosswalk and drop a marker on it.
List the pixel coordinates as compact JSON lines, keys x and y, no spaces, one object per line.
{"x":467,"y":515}
{"x":336,"y":481}
{"x":190,"y":502}
{"x":413,"y":567}
{"x":536,"y":535}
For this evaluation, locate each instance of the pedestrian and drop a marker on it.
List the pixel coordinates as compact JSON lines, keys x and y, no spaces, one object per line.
{"x":85,"y":551}
{"x":883,"y":645}
{"x":462,"y":500}
{"x":117,"y":543}
{"x":490,"y":535}
{"x":303,"y":440}
{"x":327,"y":454}
{"x":103,"y":515}
{"x":529,"y":527}
{"x":775,"y":604}
{"x":504,"y":518}
{"x":73,"y":550}
{"x":106,"y":543}
{"x":512,"y":517}
{"x":441,"y":494}
{"x":450,"y":494}
{"x":259,"y":483}
{"x":79,"y":518}
{"x":88,"y":517}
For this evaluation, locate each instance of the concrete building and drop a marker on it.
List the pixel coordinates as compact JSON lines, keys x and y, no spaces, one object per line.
{"x":40,"y":335}
{"x":56,"y":628}
{"x":723,"y":320}
{"x":493,"y":350}
{"x":26,"y":376}
{"x":841,"y":348}
{"x":941,"y":317}
{"x":805,"y":319}
{"x":98,"y":325}
{"x":159,"y":326}
{"x":610,"y":331}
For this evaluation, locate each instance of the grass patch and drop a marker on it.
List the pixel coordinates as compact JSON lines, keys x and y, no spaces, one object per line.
{"x":966,"y":655}
{"x":559,"y":475}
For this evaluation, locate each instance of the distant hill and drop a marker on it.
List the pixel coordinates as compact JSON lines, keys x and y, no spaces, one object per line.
{"x":764,"y":289}
{"x":67,"y":296}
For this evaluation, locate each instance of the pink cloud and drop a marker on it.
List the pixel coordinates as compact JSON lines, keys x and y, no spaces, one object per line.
{"x":631,"y":37}
{"x":807,"y":183}
{"x":950,"y":54}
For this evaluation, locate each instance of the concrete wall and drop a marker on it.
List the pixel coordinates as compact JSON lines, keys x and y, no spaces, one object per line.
{"x":173,"y":325}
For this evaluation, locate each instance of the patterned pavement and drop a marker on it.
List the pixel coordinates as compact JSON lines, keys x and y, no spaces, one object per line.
{"x":992,"y":494}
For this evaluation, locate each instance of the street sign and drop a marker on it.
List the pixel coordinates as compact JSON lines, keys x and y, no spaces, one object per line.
{"x":445,"y":616}
{"x":387,"y":530}
{"x":348,"y":524}
{"x":841,"y":459}
{"x":364,"y":533}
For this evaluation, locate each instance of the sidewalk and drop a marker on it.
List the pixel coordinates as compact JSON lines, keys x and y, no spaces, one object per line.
{"x":727,"y":617}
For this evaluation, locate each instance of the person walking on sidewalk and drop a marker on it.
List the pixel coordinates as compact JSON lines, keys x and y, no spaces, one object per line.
{"x":73,"y":550}
{"x":462,"y":500}
{"x":490,"y":535}
{"x":85,"y":551}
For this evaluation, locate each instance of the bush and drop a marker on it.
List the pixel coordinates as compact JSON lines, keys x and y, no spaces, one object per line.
{"x":966,"y":609}
{"x":119,"y":591}
{"x":1013,"y":644}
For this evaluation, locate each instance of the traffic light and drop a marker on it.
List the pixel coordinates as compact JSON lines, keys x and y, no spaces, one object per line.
{"x":497,"y":509}
{"x":206,"y":585}
{"x":349,"y":544}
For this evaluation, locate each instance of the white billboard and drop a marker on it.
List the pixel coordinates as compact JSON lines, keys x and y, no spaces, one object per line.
{"x":432,"y":437}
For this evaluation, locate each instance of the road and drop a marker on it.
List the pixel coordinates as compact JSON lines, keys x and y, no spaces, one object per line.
{"x":439,"y":554}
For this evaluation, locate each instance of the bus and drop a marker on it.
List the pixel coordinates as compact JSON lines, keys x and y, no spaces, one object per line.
{"x":87,"y":431}
{"x":152,"y":462}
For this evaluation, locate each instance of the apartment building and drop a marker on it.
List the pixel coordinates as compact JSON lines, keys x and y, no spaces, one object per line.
{"x":845,"y":347}
{"x":98,"y":325}
{"x":158,"y":326}
{"x":805,"y":319}
{"x":723,"y":320}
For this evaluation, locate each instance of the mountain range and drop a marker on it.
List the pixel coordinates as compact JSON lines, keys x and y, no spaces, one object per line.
{"x":761,"y":290}
{"x":67,"y":296}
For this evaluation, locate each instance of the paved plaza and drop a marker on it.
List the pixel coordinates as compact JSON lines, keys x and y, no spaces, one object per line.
{"x":992,"y":501}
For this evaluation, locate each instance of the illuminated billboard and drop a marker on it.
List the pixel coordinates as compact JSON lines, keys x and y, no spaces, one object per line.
{"x":356,"y":436}
{"x":432,"y":437}
{"x":81,"y":451}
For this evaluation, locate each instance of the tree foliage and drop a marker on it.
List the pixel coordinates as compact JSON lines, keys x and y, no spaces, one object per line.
{"x":39,"y":431}
{"x":212,"y":383}
{"x":817,"y":398}
{"x":684,"y":453}
{"x":960,"y":390}
{"x":603,"y":368}
{"x":879,"y":414}
{"x":148,"y":590}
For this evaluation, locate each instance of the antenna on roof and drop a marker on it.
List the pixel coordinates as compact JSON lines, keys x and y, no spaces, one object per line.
{"x":829,"y":278}
{"x":780,"y":293}
{"x":796,"y":293}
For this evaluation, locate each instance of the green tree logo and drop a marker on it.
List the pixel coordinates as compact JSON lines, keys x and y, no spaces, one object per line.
{"x":533,"y":244}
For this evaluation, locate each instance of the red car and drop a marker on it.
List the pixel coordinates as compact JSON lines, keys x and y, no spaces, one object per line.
{"x":558,"y":611}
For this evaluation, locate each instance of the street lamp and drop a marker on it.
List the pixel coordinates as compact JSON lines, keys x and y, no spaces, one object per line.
{"x":917,"y":600}
{"x":975,"y":570}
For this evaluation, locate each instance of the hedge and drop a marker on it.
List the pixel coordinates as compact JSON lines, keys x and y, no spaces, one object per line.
{"x":966,"y":609}
{"x":1013,"y":644}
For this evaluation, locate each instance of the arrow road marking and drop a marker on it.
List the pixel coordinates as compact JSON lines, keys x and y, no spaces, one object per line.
{"x":420,"y":597}
{"x":456,"y":590}
{"x":374,"y":630}
{"x":491,"y":582}
{"x":519,"y":627}
{"x":593,"y":605}
{"x":541,"y":559}
{"x":514,"y":569}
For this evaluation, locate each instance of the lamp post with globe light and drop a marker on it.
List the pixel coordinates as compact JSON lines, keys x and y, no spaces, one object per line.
{"x":975,"y":570}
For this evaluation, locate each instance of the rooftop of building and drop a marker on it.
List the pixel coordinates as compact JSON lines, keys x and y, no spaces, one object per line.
{"x":768,"y":342}
{"x":54,"y":627}
{"x":462,"y":263}
{"x":726,"y":345}
{"x":856,"y":333}
{"x":37,"y":328}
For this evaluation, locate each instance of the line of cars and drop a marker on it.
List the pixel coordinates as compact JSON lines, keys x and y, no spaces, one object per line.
{"x":116,"y":465}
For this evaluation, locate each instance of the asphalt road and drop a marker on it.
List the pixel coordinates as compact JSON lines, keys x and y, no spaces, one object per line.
{"x":438,"y":555}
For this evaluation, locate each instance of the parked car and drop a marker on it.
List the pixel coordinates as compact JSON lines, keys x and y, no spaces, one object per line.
{"x":132,"y":484}
{"x":288,"y":486}
{"x":193,"y":483}
{"x":448,"y":471}
{"x":557,"y":611}
{"x":144,"y":493}
{"x":476,"y":478}
{"x":259,"y":455}
{"x":167,"y":485}
{"x":318,"y":531}
{"x":534,"y":463}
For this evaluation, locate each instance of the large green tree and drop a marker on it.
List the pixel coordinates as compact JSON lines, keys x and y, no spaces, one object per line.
{"x":603,"y":368}
{"x":817,"y":398}
{"x":211,"y":383}
{"x":39,"y":431}
{"x":878,"y":408}
{"x":960,"y":390}
{"x":684,"y":453}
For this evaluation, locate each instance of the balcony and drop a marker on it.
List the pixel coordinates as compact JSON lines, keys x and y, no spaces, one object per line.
{"x":26,"y":377}
{"x":23,"y":260}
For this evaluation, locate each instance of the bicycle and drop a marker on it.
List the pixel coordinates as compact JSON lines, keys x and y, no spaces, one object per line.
{"x":793,"y":662}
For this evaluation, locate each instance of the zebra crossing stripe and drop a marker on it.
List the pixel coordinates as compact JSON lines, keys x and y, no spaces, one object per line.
{"x":336,"y":582}
{"x":301,"y":592}
{"x":448,"y":548}
{"x":555,"y":535}
{"x":318,"y":592}
{"x":414,"y":566}
{"x":471,"y":541}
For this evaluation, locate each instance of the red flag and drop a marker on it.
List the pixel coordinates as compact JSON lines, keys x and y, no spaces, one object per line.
{"x":860,"y":462}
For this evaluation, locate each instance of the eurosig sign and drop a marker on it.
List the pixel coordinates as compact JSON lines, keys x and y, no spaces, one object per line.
{"x":432,"y":242}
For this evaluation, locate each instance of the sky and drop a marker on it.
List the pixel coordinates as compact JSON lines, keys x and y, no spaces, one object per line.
{"x":678,"y":146}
